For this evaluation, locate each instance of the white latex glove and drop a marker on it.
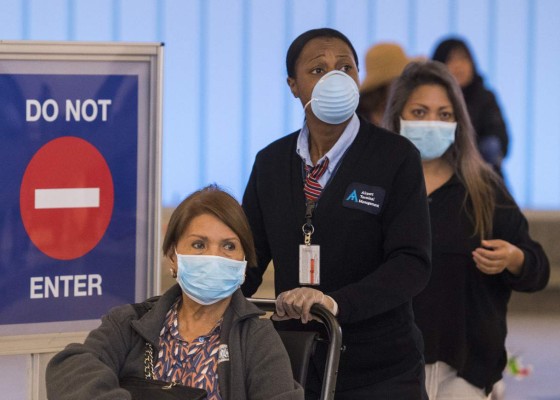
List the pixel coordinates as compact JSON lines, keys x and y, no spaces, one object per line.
{"x":296,"y":304}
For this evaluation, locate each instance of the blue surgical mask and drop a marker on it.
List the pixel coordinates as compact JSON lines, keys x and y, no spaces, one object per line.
{"x":209,"y":279}
{"x":431,"y":138}
{"x":334,"y":98}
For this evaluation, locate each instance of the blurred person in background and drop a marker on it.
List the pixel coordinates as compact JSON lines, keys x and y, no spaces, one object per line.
{"x":485,"y":114}
{"x":384,"y":63}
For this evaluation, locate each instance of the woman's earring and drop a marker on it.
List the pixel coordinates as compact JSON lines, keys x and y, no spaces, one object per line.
{"x":173,"y":273}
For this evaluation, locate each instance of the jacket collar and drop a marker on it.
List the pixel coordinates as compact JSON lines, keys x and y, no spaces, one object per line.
{"x":150,"y":324}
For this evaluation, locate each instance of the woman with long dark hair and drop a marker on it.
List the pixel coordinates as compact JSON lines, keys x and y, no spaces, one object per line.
{"x":481,"y":248}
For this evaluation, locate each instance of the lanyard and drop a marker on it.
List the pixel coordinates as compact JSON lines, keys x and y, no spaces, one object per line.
{"x":308,"y":227}
{"x":310,"y":206}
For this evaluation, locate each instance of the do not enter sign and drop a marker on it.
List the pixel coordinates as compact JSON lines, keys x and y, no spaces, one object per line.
{"x":66,"y":198}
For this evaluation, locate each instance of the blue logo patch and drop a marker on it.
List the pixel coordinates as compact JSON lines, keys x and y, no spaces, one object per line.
{"x":364,"y":197}
{"x":353,"y":197}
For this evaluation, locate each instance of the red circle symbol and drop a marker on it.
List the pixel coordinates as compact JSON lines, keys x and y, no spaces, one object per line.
{"x":66,"y":198}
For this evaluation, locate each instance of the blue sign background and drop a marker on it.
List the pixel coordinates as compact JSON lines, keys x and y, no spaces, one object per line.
{"x":117,"y":140}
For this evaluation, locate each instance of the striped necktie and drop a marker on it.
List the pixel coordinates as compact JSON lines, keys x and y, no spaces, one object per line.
{"x":311,"y":188}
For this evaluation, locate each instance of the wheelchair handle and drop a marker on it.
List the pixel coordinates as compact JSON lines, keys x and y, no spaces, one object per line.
{"x":335,"y":341}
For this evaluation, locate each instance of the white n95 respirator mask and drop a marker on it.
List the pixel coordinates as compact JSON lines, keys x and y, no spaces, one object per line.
{"x":334,"y":98}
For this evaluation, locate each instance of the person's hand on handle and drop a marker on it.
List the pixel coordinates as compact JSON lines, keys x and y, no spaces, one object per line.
{"x":296,"y":304}
{"x":496,"y":255}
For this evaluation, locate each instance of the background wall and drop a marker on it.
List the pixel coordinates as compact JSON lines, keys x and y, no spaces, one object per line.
{"x":225,"y":91}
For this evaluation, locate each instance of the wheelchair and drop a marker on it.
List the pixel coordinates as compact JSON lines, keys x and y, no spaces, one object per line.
{"x":300,"y":346}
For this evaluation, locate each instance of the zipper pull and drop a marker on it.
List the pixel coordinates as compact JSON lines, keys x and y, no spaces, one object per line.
{"x":171,"y":384}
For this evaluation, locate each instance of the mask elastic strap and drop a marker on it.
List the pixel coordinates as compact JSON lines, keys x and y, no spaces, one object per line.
{"x":308,"y":103}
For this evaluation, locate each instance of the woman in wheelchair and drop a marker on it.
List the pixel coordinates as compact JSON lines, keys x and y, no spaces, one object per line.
{"x":201,"y":333}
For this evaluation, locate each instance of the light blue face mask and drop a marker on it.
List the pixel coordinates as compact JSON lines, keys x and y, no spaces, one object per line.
{"x":334,"y":98}
{"x":209,"y":279}
{"x":431,"y":138}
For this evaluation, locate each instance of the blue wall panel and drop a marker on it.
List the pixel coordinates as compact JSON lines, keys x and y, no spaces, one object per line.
{"x":223,"y":84}
{"x":353,"y":20}
{"x":432,"y":21}
{"x":182,"y":93}
{"x":472,"y":23}
{"x":545,"y":188}
{"x":93,"y":20}
{"x":225,"y":91}
{"x":11,"y":20}
{"x":392,"y":21}
{"x":268,"y":91}
{"x":138,"y":20}
{"x":512,"y":52}
{"x":47,"y":19}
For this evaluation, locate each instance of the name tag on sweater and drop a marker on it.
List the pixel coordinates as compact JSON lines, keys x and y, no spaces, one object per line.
{"x":309,"y":265}
{"x":364,"y":197}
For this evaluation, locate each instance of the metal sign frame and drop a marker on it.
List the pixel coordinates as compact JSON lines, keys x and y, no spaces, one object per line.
{"x":140,"y":65}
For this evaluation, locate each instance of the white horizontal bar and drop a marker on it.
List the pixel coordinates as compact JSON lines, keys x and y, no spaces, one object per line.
{"x":67,"y":198}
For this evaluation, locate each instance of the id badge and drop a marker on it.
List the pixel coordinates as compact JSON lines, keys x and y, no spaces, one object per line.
{"x":309,"y":265}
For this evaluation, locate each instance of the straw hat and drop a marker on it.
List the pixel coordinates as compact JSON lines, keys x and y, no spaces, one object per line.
{"x":384,"y":62}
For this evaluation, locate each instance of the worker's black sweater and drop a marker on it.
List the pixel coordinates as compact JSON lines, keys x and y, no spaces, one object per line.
{"x":373,"y":262}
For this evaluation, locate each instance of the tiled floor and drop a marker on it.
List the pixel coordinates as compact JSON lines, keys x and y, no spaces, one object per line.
{"x":536,"y":338}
